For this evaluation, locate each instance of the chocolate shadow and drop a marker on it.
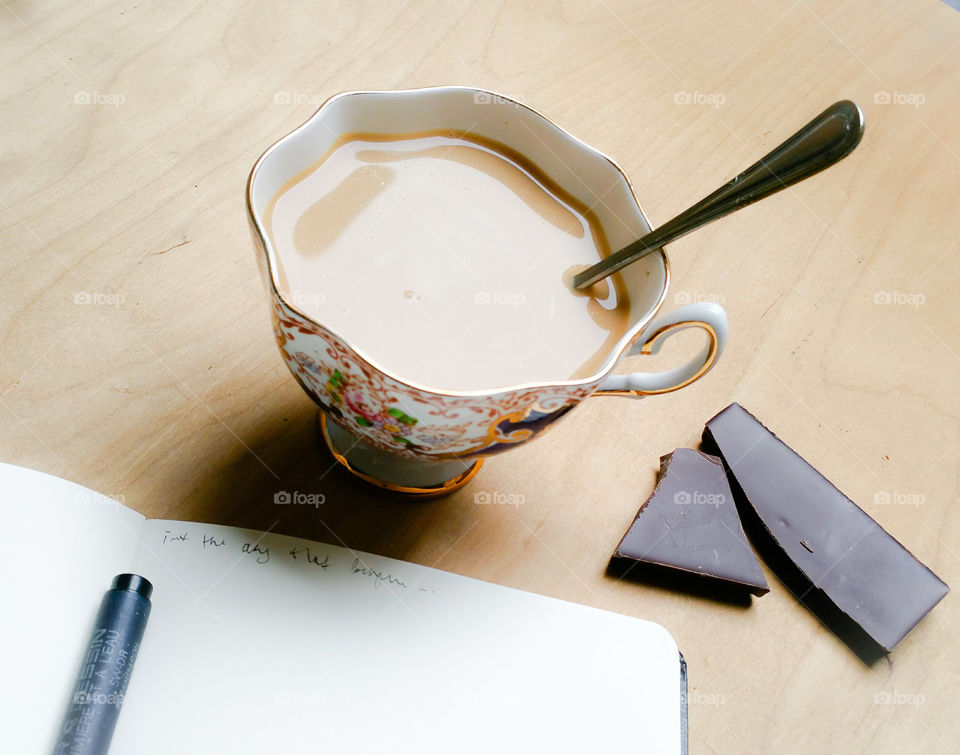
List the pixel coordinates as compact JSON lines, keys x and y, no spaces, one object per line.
{"x":677,"y":580}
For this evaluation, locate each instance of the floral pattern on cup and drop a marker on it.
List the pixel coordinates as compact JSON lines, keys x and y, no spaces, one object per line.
{"x":404,"y":419}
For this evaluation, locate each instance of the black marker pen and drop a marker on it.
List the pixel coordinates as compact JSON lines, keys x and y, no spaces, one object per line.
{"x":105,"y":672}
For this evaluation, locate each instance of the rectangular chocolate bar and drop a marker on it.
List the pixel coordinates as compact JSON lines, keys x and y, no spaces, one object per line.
{"x":837,"y":560}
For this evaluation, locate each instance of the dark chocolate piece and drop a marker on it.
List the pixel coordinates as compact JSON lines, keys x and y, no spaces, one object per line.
{"x":690,"y":523}
{"x":837,"y":560}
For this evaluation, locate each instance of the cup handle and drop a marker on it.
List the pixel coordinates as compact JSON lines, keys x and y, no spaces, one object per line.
{"x":711,"y":317}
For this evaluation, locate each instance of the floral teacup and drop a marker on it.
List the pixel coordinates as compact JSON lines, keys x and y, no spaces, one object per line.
{"x":407,"y":438}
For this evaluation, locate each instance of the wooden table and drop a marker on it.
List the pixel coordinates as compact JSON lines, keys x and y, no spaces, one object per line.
{"x":137,"y":355}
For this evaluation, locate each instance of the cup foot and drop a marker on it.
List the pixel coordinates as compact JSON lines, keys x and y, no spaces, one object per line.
{"x":400,"y":477}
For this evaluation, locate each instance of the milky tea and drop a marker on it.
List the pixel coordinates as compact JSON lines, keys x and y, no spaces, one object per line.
{"x":446,"y":260}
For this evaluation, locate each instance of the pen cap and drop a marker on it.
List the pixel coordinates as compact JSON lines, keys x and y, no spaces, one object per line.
{"x":133,"y":583}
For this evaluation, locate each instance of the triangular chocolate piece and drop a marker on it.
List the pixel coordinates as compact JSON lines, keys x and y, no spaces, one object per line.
{"x":855,"y":577}
{"x":690,"y":523}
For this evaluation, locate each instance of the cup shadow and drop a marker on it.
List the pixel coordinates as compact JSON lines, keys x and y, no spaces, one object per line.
{"x":253,"y":485}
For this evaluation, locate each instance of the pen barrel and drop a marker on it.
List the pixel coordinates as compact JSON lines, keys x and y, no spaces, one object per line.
{"x":105,"y":671}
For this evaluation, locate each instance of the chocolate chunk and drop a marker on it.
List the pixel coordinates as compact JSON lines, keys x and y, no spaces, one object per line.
{"x":855,"y":577}
{"x":690,"y":523}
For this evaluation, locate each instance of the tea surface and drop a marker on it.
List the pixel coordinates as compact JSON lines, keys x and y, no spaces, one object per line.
{"x":443,"y":261}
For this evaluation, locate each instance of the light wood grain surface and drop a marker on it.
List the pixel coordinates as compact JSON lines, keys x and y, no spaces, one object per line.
{"x":137,"y":355}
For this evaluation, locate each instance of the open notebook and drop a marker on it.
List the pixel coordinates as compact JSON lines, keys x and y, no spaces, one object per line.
{"x":265,"y":643}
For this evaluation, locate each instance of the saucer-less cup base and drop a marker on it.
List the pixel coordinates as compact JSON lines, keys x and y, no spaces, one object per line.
{"x":405,"y":478}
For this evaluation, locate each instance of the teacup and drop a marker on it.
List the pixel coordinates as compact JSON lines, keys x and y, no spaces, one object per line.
{"x":418,"y":441}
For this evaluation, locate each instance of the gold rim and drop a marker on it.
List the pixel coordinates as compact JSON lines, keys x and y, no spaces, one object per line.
{"x":647,"y":348}
{"x":400,"y":491}
{"x":266,"y":250}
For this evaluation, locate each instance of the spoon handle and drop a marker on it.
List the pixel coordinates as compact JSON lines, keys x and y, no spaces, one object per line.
{"x":826,"y":139}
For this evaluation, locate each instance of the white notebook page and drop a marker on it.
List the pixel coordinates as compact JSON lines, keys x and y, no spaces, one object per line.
{"x":63,"y":545}
{"x":266,"y":651}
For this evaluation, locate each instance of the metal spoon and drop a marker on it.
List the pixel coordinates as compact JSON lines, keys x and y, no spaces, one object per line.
{"x":826,"y":139}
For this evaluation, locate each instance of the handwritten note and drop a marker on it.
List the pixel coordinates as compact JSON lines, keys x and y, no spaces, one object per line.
{"x":270,"y":550}
{"x":378,"y":576}
{"x":309,"y":557}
